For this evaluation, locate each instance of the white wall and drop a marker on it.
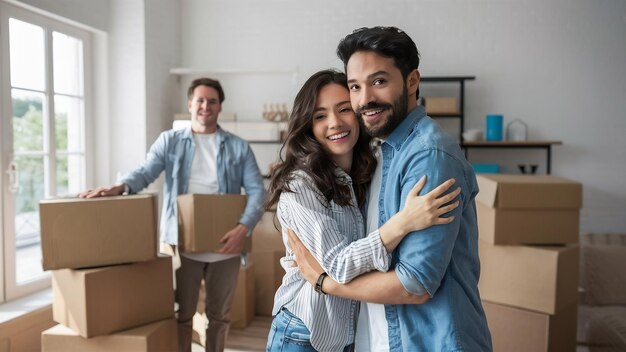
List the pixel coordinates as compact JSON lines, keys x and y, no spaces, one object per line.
{"x":127,"y":76}
{"x":558,"y":65}
{"x":92,"y":13}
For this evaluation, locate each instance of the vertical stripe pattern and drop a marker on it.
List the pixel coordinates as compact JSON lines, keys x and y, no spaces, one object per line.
{"x":335,"y":236}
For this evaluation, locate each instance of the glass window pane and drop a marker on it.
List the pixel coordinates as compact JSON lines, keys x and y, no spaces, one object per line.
{"x":30,"y":176}
{"x":26,"y":48}
{"x":27,"y":120}
{"x":68,"y":64}
{"x":70,"y":174}
{"x":68,"y":123}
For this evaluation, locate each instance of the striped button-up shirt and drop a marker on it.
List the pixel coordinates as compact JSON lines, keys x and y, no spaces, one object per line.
{"x":335,"y":236}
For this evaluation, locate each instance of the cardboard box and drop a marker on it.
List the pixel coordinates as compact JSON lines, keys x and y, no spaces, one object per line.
{"x":519,"y":330}
{"x":528,"y":209}
{"x":205,"y":218}
{"x":268,"y":276}
{"x":441,"y":105}
{"x":155,"y":337}
{"x":22,"y":332}
{"x":267,"y":236}
{"x":538,"y":278}
{"x":78,"y":233}
{"x":242,"y":310}
{"x":103,"y":300}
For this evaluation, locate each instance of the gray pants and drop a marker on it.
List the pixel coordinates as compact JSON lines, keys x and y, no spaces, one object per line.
{"x":220,"y":280}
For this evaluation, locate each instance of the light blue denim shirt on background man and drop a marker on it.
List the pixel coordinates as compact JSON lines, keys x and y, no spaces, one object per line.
{"x":173,"y":153}
{"x":441,"y":260}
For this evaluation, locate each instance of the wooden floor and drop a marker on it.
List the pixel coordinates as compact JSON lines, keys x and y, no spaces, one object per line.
{"x":252,"y":338}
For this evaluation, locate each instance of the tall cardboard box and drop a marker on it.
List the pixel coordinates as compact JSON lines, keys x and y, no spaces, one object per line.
{"x":160,"y":336}
{"x":268,"y":276}
{"x":103,"y":300}
{"x":205,"y":218}
{"x":242,"y":310}
{"x":78,"y":233}
{"x":538,"y":278}
{"x":519,"y":330}
{"x":528,"y":209}
{"x":266,"y":236}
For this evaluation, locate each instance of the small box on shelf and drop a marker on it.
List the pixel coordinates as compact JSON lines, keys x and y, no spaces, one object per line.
{"x":442,"y":105}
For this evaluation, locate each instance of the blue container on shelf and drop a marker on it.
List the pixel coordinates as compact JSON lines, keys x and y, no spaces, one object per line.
{"x":494,"y":127}
{"x":486,"y":168}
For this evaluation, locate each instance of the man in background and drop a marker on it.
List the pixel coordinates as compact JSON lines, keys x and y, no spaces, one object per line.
{"x":208,"y":160}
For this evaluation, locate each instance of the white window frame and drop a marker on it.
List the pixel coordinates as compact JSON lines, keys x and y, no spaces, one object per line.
{"x":9,"y":289}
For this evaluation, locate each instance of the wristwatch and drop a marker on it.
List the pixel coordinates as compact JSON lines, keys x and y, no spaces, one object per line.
{"x":126,"y":190}
{"x":319,"y":282}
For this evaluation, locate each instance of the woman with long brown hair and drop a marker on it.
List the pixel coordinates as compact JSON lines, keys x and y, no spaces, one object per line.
{"x":319,"y":189}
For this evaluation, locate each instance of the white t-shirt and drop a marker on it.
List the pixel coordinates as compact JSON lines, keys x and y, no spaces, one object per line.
{"x":203,"y":180}
{"x":371,"y":328}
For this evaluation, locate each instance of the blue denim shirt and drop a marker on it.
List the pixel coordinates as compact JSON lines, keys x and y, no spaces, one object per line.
{"x":441,"y":260}
{"x":173,"y":153}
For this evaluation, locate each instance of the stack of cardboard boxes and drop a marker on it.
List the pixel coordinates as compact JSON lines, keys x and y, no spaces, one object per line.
{"x":111,"y":289}
{"x":529,"y":229}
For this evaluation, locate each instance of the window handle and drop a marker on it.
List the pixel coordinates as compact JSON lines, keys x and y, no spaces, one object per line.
{"x":14,"y":180}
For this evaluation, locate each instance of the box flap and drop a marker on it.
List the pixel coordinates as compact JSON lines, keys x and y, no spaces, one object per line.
{"x":528,"y":191}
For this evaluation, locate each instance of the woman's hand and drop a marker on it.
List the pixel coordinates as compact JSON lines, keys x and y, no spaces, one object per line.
{"x":420,"y":212}
{"x":309,"y":267}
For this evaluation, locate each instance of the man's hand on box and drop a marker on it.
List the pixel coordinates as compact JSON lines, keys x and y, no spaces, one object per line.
{"x":102,"y":192}
{"x":234,"y":240}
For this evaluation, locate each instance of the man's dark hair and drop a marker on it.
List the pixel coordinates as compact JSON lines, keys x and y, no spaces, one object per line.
{"x":209,"y":82}
{"x":389,"y":42}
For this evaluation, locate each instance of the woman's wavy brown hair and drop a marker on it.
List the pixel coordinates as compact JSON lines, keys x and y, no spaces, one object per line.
{"x":303,"y":152}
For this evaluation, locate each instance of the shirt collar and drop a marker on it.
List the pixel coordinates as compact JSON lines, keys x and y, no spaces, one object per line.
{"x":404,"y":129}
{"x":221,"y":134}
{"x":342,"y":176}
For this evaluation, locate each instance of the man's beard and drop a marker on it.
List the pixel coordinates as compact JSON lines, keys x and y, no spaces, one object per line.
{"x":399,"y":111}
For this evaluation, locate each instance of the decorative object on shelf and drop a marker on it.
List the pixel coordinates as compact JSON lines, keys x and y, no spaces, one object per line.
{"x":494,"y":127}
{"x":473,"y":135}
{"x":516,"y":130}
{"x":275,"y":112}
{"x":532,"y":169}
{"x":486,"y":168}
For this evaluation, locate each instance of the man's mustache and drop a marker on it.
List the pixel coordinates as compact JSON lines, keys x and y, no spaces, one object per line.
{"x":372,"y":106}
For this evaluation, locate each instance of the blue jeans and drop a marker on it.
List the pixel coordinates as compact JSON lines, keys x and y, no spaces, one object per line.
{"x":289,"y":334}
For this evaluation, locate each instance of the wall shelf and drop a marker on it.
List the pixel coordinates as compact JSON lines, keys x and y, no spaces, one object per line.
{"x":466,"y":146}
{"x":460,"y":114}
{"x":545,"y":145}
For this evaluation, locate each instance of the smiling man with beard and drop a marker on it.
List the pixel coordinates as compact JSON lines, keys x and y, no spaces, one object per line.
{"x":438,"y":266}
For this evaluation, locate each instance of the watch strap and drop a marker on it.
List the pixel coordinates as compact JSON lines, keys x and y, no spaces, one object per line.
{"x":319,"y":282}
